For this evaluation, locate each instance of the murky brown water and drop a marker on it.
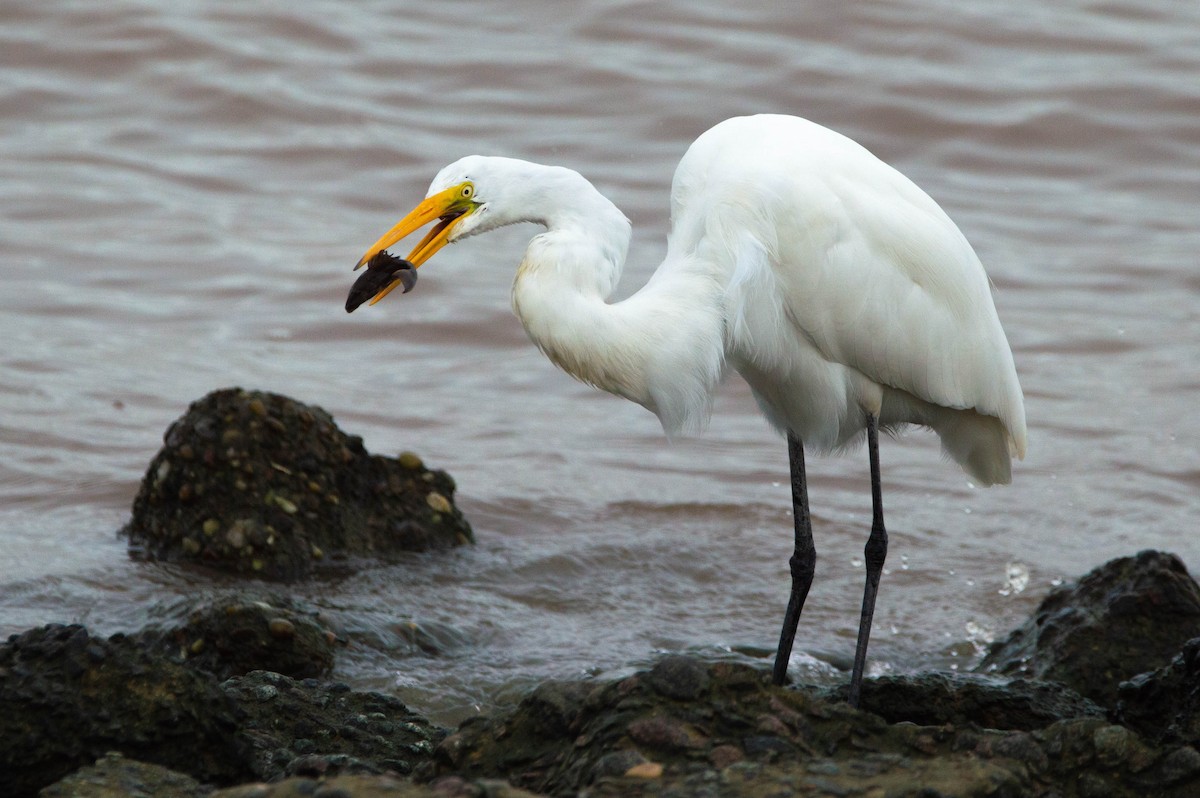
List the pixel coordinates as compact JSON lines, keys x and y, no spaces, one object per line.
{"x":182,"y":194}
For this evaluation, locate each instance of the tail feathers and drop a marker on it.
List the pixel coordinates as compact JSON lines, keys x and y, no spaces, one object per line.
{"x":980,"y":444}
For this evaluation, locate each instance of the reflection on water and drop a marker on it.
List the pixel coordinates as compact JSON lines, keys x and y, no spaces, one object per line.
{"x":185,"y":190}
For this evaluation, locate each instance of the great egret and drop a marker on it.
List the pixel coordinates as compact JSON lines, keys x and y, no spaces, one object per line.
{"x":841,"y":292}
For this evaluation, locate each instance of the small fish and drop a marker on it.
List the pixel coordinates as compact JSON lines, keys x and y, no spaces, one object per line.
{"x":382,"y":274}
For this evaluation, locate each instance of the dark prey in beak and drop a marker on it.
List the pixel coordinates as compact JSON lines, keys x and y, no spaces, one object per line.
{"x":382,"y":270}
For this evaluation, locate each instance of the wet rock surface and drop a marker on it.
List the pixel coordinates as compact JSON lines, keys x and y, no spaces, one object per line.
{"x":310,"y":728}
{"x":68,"y":698}
{"x":932,"y":699}
{"x":1164,"y":704}
{"x":374,"y":787}
{"x":1128,"y":616}
{"x":235,"y":634}
{"x":114,"y":776}
{"x":257,"y":483}
{"x":724,"y":729}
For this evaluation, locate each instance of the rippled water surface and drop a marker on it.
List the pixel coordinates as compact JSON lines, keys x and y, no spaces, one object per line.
{"x":184,"y":187}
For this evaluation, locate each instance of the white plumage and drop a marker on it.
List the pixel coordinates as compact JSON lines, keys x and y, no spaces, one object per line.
{"x":840,"y":290}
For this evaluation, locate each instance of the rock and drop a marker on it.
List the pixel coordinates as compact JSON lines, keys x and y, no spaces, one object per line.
{"x":1128,"y":616}
{"x":684,"y":727}
{"x":309,"y":728}
{"x":373,"y":787}
{"x":730,"y":732}
{"x":235,"y":634}
{"x":68,"y":698}
{"x":1164,"y":704}
{"x":678,"y":677}
{"x":257,"y":483}
{"x":934,"y":699}
{"x":114,"y":776}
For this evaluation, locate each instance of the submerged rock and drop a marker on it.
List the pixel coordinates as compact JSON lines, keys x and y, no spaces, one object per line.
{"x":235,"y":634}
{"x":257,"y":483}
{"x":1127,"y":616}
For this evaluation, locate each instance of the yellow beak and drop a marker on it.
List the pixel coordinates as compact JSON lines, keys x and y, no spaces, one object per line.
{"x":448,"y":206}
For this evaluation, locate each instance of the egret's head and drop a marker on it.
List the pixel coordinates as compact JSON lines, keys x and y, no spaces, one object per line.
{"x":480,"y":193}
{"x":457,"y":204}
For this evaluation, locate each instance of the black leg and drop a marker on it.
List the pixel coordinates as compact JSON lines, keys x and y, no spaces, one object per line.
{"x":803,"y":561}
{"x":875,"y":552}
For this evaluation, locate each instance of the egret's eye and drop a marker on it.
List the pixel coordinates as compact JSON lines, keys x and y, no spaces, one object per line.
{"x":467,"y":191}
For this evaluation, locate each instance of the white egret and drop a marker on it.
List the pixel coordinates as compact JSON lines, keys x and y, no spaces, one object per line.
{"x":842,"y":293}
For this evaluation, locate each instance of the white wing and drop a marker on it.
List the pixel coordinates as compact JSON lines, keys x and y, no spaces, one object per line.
{"x":862,"y":264}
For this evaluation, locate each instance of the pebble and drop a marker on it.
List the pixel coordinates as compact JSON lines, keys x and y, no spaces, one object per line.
{"x":286,"y":505}
{"x":211,"y":527}
{"x":722,"y":756}
{"x":438,"y":503}
{"x":1182,"y":763}
{"x":769,"y":724}
{"x":645,"y":770}
{"x":411,"y":461}
{"x":265,"y":692}
{"x":190,"y":546}
{"x":257,"y":407}
{"x":282,"y":628}
{"x":664,"y":733}
{"x":617,"y":763}
{"x":1113,"y":744}
{"x":235,"y":537}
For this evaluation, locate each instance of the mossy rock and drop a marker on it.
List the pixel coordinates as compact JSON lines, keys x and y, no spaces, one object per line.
{"x":258,"y":483}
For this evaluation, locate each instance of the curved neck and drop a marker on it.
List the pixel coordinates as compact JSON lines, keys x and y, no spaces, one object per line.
{"x":662,"y":347}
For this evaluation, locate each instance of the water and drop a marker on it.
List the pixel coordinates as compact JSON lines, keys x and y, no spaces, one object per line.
{"x":185,"y":187}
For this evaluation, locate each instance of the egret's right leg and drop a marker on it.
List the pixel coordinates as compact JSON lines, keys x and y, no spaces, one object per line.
{"x":874,"y":555}
{"x":803,"y":562}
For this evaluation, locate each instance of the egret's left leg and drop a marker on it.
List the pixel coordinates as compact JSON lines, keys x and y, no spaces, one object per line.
{"x":875,"y":552}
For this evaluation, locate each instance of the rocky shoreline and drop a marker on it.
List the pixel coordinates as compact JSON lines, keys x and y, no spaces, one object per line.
{"x":1097,"y":694}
